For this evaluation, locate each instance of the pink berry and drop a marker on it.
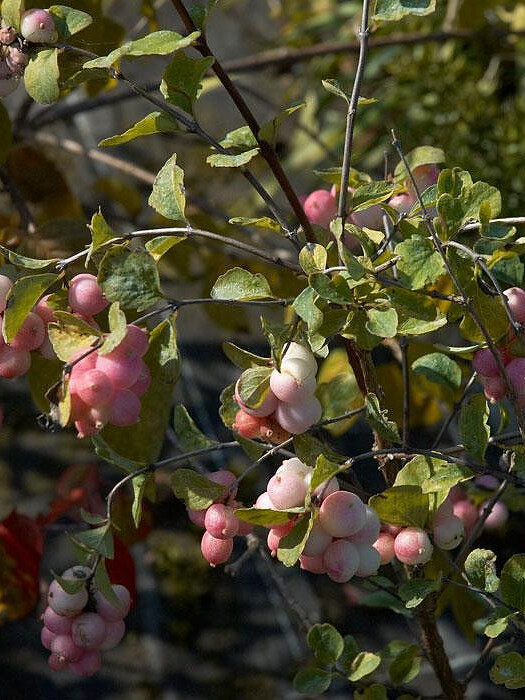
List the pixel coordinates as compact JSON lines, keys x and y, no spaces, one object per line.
{"x":391,"y":529}
{"x":267,"y":407}
{"x":58,"y":624}
{"x":466,"y":512}
{"x":31,"y":333}
{"x":46,"y":312}
{"x":85,"y":295}
{"x":16,"y":60}
{"x":425,"y":176}
{"x":297,"y":351}
{"x":13,"y":362}
{"x":263,"y":502}
{"x":320,"y":208}
{"x":64,"y":646}
{"x":342,"y":514}
{"x":497,"y":517}
{"x":47,"y":350}
{"x":385,"y":547}
{"x":197,"y":517}
{"x":286,"y":388}
{"x":369,"y":560}
{"x":88,"y":665}
{"x":485,"y":364}
{"x":136,"y":339}
{"x":85,"y":428}
{"x":7,"y":34}
{"x":114,"y":633}
{"x":276,"y":534}
{"x":5,"y":285}
{"x":125,"y":408}
{"x":295,"y":466}
{"x":314,"y":565}
{"x":493,"y":388}
{"x":121,"y":371}
{"x":88,"y":630}
{"x":402,"y":202}
{"x":325,"y":489}
{"x":413,"y":547}
{"x":57,"y":663}
{"x":246,"y":425}
{"x":67,"y":604}
{"x":369,"y":533}
{"x":368,"y":218}
{"x":226,"y":478}
{"x":221,"y":522}
{"x":449,"y":532}
{"x":318,"y":540}
{"x":516,"y":302}
{"x":286,"y":491}
{"x":444,"y":512}
{"x":341,"y":560}
{"x":516,"y":374}
{"x":143,"y":382}
{"x":46,"y":637}
{"x":215,"y":551}
{"x":297,"y":418}
{"x":113,"y":613}
{"x":94,"y":388}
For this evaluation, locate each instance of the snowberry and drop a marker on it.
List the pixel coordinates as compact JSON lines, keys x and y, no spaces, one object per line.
{"x":94,"y":388}
{"x":369,"y":560}
{"x":88,"y":630}
{"x":107,"y":610}
{"x":58,"y":624}
{"x":425,"y":176}
{"x":7,"y":34}
{"x":385,"y":547}
{"x":448,"y":532}
{"x":143,"y":382}
{"x":342,"y":514}
{"x":267,"y":407}
{"x":246,"y":425}
{"x":114,"y":633}
{"x":125,"y":408}
{"x":272,"y":431}
{"x":402,"y":202}
{"x":493,"y":388}
{"x":288,"y":389}
{"x":466,"y":512}
{"x":5,"y":285}
{"x":221,"y":522}
{"x":325,"y":489}
{"x":88,"y":665}
{"x":46,"y":636}
{"x":275,"y":535}
{"x":57,"y":663}
{"x":226,"y":478}
{"x":13,"y":362}
{"x":216,"y":551}
{"x":368,"y":218}
{"x":295,"y":466}
{"x":498,"y":516}
{"x":313,"y":564}
{"x":136,"y":339}
{"x":318,"y":540}
{"x":31,"y":333}
{"x":299,"y":352}
{"x":121,"y":371}
{"x":320,"y":208}
{"x":286,"y":491}
{"x":297,"y":418}
{"x":64,"y":646}
{"x":341,"y":559}
{"x":485,"y":363}
{"x":196,"y":517}
{"x":38,"y":27}
{"x":85,"y":295}
{"x":46,"y":312}
{"x":67,"y":604}
{"x":516,"y":302}
{"x":412,"y":546}
{"x":16,"y":60}
{"x":516,"y":374}
{"x":444,"y":512}
{"x":369,"y":532}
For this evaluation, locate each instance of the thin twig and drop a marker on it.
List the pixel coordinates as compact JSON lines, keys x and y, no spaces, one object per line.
{"x":454,"y":411}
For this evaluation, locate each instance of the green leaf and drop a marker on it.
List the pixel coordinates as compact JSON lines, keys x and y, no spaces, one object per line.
{"x":69,"y":334}
{"x":382,"y":323}
{"x":309,"y":448}
{"x":6,"y":133}
{"x":350,"y":651}
{"x":335,"y":88}
{"x":292,"y":544}
{"x":105,"y":452}
{"x":420,"y":262}
{"x":496,"y":622}
{"x":142,"y":484}
{"x":402,"y":505}
{"x":143,"y":441}
{"x":70,"y":586}
{"x":11,"y":12}
{"x":168,"y":195}
{"x":103,"y":584}
{"x":154,"y":123}
{"x":231,"y":160}
{"x":339,"y":395}
{"x":98,"y":540}
{"x":253,"y":386}
{"x":195,"y":490}
{"x":422,"y":155}
{"x":259,"y":222}
{"x":312,"y":681}
{"x":446,"y":477}
{"x":268,"y":132}
{"x":22,"y":296}
{"x":378,"y":419}
{"x":393,"y":10}
{"x":473,"y":426}
{"x":241,"y":285}
{"x":326,"y":643}
{"x":244,"y":358}
{"x":129,"y":277}
{"x":405,"y":666}
{"x":312,"y":258}
{"x":363,"y":665}
{"x":155,"y":44}
{"x":189,"y":436}
{"x":414,"y":592}
{"x":241,"y":138}
{"x":117,"y":329}
{"x":513,"y":582}
{"x":101,"y":232}
{"x":25,"y":262}
{"x":323,"y":471}
{"x":509,"y":670}
{"x":334,"y":289}
{"x":480,"y":567}
{"x":264,"y":516}
{"x":160,"y":245}
{"x":69,"y":21}
{"x":439,"y":368}
{"x":182,"y":80}
{"x":41,"y":76}
{"x":365,"y":196}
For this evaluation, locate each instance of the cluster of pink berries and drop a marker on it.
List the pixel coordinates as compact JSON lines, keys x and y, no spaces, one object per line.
{"x":485,"y":363}
{"x":320,"y":206}
{"x":469,"y":513}
{"x":36,"y":27}
{"x":290,"y":405}
{"x":340,"y":543}
{"x":78,"y":626}
{"x":219,"y":521}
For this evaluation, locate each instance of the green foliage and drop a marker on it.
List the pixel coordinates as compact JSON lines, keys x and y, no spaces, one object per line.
{"x":241,"y":285}
{"x":182,"y":80}
{"x":312,"y":681}
{"x":11,"y":11}
{"x":69,"y":21}
{"x":378,"y":419}
{"x":188,"y":435}
{"x":23,"y":295}
{"x":154,"y":123}
{"x":509,"y":670}
{"x":168,"y":195}
{"x":480,"y":567}
{"x":243,"y":358}
{"x":414,"y":592}
{"x":393,"y":10}
{"x":195,"y":490}
{"x":402,"y":505}
{"x":98,"y":540}
{"x":420,"y":263}
{"x":312,"y":258}
{"x":473,"y":426}
{"x":326,"y":643}
{"x":406,"y":665}
{"x":69,"y":335}
{"x":512,"y":584}
{"x":253,"y":386}
{"x":129,"y":277}
{"x":439,"y":368}
{"x":42,"y":75}
{"x":292,"y":544}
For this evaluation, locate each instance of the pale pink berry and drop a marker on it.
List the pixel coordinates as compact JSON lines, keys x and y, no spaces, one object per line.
{"x":85,"y":295}
{"x":402,"y":202}
{"x":5,"y":285}
{"x":466,"y":512}
{"x":456,"y":493}
{"x":94,"y":388}
{"x":58,"y":624}
{"x":16,"y":60}
{"x":85,"y":428}
{"x":320,"y":208}
{"x":88,"y":665}
{"x":88,"y":630}
{"x":368,"y":218}
{"x":516,"y":302}
{"x":413,"y":546}
{"x":286,"y":491}
{"x":342,"y":514}
{"x":7,"y":34}
{"x":46,"y":637}
{"x":64,"y":646}
{"x":31,"y":333}
{"x":425,"y":176}
{"x":286,"y":388}
{"x":120,"y":371}
{"x":263,"y":502}
{"x":448,"y":533}
{"x":314,"y":565}
{"x":300,"y":352}
{"x":318,"y":540}
{"x":197,"y":517}
{"x":385,"y":547}
{"x":225,"y":478}
{"x":136,"y":339}
{"x":369,"y":560}
{"x":276,"y":534}
{"x":13,"y":362}
{"x":485,"y":364}
{"x":302,"y":369}
{"x":444,"y":512}
{"x":114,"y":633}
{"x":498,"y":516}
{"x":295,"y":466}
{"x":215,"y":551}
{"x":369,"y":533}
{"x":516,"y":374}
{"x":325,"y":489}
{"x":267,"y":407}
{"x":142,"y":384}
{"x":110,"y":612}
{"x":46,"y":312}
{"x":125,"y":408}
{"x":221,"y":522}
{"x":47,"y":350}
{"x":57,"y":663}
{"x":67,"y":604}
{"x":341,"y":560}
{"x":297,"y":418}
{"x":493,"y":387}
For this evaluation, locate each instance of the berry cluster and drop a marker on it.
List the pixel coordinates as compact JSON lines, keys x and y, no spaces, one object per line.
{"x":320,"y":206}
{"x":486,"y":365}
{"x":36,"y":27}
{"x":219,"y":521}
{"x":340,"y":543}
{"x":78,"y":626}
{"x":290,"y":406}
{"x":469,"y":513}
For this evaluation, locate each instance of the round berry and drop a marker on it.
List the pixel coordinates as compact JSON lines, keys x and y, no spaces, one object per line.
{"x":85,"y":295}
{"x":88,"y":630}
{"x":88,"y":665}
{"x":67,"y":604}
{"x":5,"y":285}
{"x":516,"y":302}
{"x":64,"y":646}
{"x":286,"y":388}
{"x":225,"y":478}
{"x":246,"y":425}
{"x":110,"y":612}
{"x":267,"y":407}
{"x":122,"y":372}
{"x":57,"y":663}
{"x":498,"y":516}
{"x":46,"y":637}
{"x":485,"y":363}
{"x":385,"y":547}
{"x":286,"y":491}
{"x":318,"y":540}
{"x":94,"y":388}
{"x":369,"y":560}
{"x":297,"y":418}
{"x":143,"y":382}
{"x":449,"y":532}
{"x":38,"y":27}
{"x":16,"y":60}
{"x":58,"y":624}
{"x":320,"y":208}
{"x":413,"y":546}
{"x":369,"y":533}
{"x":341,"y":559}
{"x":114,"y":633}
{"x":342,"y":514}
{"x":13,"y":362}
{"x":215,"y":551}
{"x":125,"y":408}
{"x":314,"y":565}
{"x":221,"y":522}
